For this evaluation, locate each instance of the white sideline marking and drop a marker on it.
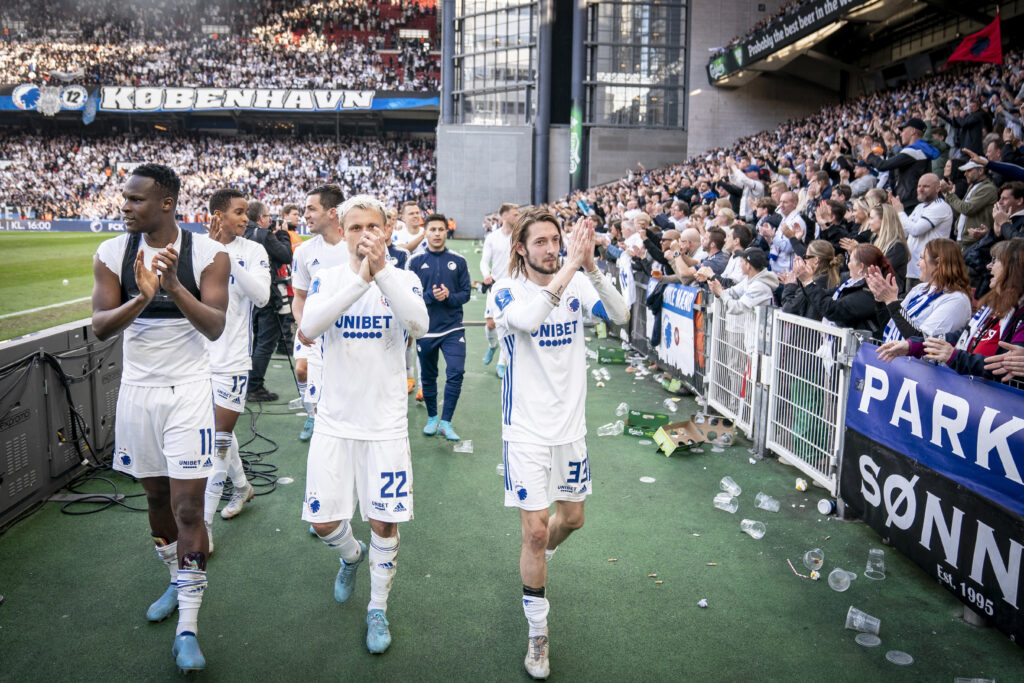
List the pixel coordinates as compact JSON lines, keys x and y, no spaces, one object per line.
{"x":43,"y":308}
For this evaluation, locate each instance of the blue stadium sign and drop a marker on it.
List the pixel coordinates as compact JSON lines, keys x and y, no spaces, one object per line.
{"x":147,"y":100}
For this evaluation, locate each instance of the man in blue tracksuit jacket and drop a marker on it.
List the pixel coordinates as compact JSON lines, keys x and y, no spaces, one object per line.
{"x":446,"y":288}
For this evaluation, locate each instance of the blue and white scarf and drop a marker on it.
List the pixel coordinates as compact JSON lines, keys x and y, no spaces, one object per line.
{"x":912,"y":308}
{"x":839,"y":290}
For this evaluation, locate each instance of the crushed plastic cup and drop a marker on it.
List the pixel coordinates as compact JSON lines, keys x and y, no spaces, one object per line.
{"x":766,"y":502}
{"x":670,"y":405}
{"x":296,"y":404}
{"x":605,"y":374}
{"x":591,"y":354}
{"x":731,"y":487}
{"x":813,"y":559}
{"x":839,"y":579}
{"x":899,"y":657}
{"x":875,"y":569}
{"x":801,"y":484}
{"x":611,"y":429}
{"x":857,"y":620}
{"x":869,"y":640}
{"x":752,"y":528}
{"x":463,"y":447}
{"x":723,"y":501}
{"x":622,"y":409}
{"x":501,"y":469}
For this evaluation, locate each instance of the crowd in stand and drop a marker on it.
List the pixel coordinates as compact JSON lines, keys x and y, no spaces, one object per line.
{"x":273,"y":44}
{"x":70,"y":176}
{"x":784,"y":12}
{"x":900,"y":214}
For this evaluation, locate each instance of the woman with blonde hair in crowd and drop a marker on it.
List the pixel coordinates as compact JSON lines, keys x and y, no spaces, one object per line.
{"x":939,"y":305}
{"x":886,"y":233}
{"x":824,"y":263}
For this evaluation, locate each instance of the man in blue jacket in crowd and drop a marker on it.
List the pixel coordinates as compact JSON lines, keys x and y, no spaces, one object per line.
{"x":446,"y":289}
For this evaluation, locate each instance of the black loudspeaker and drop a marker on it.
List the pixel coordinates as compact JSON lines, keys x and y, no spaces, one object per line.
{"x":58,"y":390}
{"x":106,"y":359}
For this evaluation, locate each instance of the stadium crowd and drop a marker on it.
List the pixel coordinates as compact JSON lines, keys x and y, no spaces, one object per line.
{"x":70,"y":176}
{"x":900,"y":213}
{"x":333,"y":44}
{"x":784,"y":12}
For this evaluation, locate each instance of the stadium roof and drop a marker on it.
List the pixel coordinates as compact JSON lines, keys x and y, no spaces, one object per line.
{"x":852,"y":35}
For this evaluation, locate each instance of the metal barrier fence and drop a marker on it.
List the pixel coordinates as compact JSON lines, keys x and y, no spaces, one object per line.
{"x":783,"y":383}
{"x":733,"y":368}
{"x":808,"y":381}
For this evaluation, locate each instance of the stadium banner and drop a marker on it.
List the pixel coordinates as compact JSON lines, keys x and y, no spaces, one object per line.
{"x":932,"y":462}
{"x":148,"y":100}
{"x":811,"y":16}
{"x":677,"y":338}
{"x":68,"y":225}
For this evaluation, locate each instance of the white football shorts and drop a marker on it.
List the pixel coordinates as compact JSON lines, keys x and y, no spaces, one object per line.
{"x":340,"y":471}
{"x":536,"y":476}
{"x":165,"y":431}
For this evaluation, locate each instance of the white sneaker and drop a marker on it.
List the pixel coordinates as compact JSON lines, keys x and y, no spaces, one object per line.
{"x":537,"y":658}
{"x":209,"y":537}
{"x":238,"y":499}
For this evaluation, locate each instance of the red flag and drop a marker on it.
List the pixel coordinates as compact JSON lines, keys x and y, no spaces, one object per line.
{"x":984,"y":46}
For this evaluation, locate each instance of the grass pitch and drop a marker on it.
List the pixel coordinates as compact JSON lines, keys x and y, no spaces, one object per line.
{"x":32,"y":270}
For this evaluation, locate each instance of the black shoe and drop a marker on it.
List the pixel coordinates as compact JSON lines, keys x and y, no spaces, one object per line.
{"x":260,"y":394}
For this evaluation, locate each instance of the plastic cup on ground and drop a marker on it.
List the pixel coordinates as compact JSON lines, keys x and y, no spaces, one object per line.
{"x":898,"y":657}
{"x":876,"y":564}
{"x":857,"y":620}
{"x":766,"y":502}
{"x":801,"y":484}
{"x":868,"y":640}
{"x":813,"y":559}
{"x":826,"y":506}
{"x":839,"y":579}
{"x":731,"y":487}
{"x":752,"y":528}
{"x":723,"y":501}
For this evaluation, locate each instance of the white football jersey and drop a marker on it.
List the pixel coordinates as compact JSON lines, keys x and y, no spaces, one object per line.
{"x":496,"y":254}
{"x":365,"y":396}
{"x":162,"y":352}
{"x":231,"y":352}
{"x":313,"y":255}
{"x":544,"y":392}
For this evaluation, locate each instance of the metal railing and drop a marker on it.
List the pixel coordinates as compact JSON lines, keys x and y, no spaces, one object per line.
{"x":808,"y":376}
{"x":733,"y":368}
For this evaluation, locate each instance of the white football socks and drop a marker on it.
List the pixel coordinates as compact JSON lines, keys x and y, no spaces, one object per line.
{"x":342,"y":541}
{"x":236,"y":470}
{"x":191,"y":584}
{"x":168,"y":554}
{"x":536,"y":609}
{"x":383,"y":553}
{"x":492,"y":336}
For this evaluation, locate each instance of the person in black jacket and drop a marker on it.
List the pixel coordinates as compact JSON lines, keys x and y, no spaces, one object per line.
{"x":905,"y":168}
{"x":970,"y":123}
{"x":824,"y":264}
{"x":266,"y":322}
{"x":851,"y":304}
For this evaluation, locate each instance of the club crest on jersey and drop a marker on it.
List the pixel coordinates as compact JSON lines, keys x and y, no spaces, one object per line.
{"x":451,"y":265}
{"x":314,"y":505}
{"x":503,"y":298}
{"x":384,"y":301}
{"x":573,"y":304}
{"x":417,"y":291}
